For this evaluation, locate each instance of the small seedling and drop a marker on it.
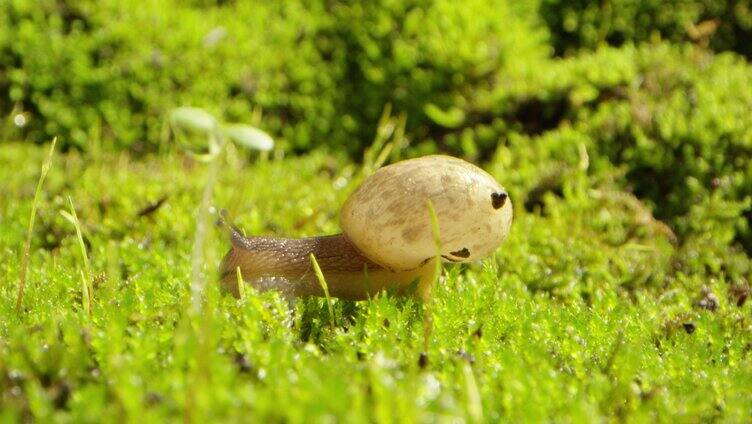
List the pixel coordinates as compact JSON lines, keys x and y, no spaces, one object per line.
{"x":187,"y":121}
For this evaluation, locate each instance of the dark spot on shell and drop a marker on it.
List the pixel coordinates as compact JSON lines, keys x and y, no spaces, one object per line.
{"x":498,"y":199}
{"x":411,"y":233}
{"x":462,"y":253}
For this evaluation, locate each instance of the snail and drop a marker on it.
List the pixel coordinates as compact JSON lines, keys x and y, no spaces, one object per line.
{"x":387,"y":240}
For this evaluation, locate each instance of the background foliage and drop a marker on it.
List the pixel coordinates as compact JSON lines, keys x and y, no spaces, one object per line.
{"x":722,"y":25}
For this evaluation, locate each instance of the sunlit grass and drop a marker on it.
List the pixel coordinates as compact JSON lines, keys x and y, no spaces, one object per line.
{"x":566,"y":322}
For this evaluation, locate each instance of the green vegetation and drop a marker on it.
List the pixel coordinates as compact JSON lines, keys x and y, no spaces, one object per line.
{"x":722,"y":25}
{"x":582,"y":313}
{"x":622,"y":130}
{"x":319,"y":74}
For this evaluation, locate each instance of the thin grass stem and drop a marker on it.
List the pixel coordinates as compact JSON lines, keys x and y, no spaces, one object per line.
{"x":325,"y":287}
{"x":85,"y":299}
{"x":27,"y":244}
{"x":472,"y":395}
{"x":241,"y":284}
{"x":198,"y":281}
{"x":73,"y":218}
{"x":427,"y":287}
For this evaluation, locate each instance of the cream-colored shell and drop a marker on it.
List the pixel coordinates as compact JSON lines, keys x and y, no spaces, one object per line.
{"x":387,"y":217}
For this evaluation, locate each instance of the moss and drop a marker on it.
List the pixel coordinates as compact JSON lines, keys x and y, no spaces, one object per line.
{"x":721,"y":25}
{"x":584,"y":312}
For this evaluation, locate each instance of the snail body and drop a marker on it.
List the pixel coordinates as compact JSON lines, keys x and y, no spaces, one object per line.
{"x":387,"y":241}
{"x":284,"y":264}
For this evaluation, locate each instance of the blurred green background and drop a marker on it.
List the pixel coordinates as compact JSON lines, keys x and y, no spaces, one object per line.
{"x":657,"y":92}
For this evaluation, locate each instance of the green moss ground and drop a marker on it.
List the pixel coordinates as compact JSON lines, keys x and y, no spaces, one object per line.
{"x":590,"y":311}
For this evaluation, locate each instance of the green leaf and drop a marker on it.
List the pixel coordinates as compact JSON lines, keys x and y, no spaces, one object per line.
{"x":248,"y":136}
{"x":193,"y":118}
{"x":451,"y":118}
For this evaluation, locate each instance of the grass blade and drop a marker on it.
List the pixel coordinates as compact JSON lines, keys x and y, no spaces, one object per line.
{"x":241,"y":284}
{"x":79,"y":235}
{"x":472,"y":395}
{"x":85,"y":298}
{"x":73,"y":218}
{"x":27,"y":245}
{"x":427,"y":286}
{"x":322,"y":281}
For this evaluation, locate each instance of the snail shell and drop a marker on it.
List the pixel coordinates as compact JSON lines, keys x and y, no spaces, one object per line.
{"x":387,"y":217}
